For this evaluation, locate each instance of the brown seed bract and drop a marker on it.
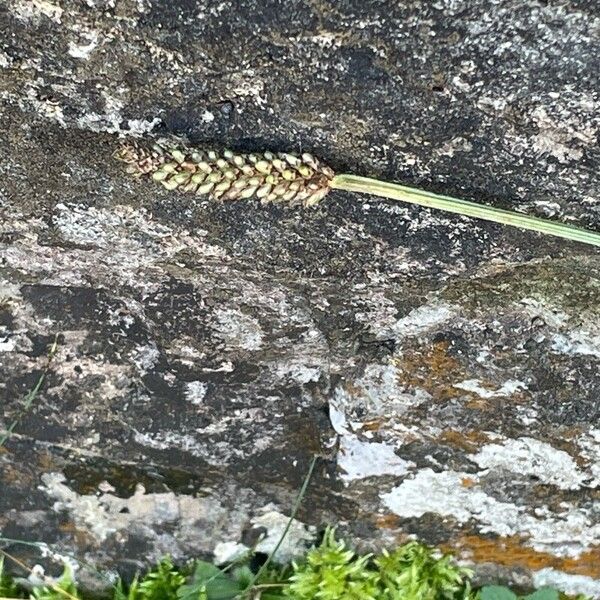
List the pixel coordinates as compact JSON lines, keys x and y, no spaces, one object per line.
{"x":285,"y":178}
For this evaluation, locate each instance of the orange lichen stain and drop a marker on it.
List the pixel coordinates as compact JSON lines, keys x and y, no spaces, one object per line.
{"x":433,"y":370}
{"x":373,"y":425}
{"x":478,"y":404}
{"x":389,"y":521}
{"x":467,"y":482}
{"x":572,"y":448}
{"x":470,"y":440}
{"x":512,"y":551}
{"x":12,"y":474}
{"x":46,"y":461}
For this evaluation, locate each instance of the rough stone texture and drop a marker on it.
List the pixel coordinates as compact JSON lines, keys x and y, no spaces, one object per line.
{"x":446,"y":370}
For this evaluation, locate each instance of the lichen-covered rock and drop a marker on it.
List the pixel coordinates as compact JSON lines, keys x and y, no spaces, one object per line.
{"x":445,"y":370}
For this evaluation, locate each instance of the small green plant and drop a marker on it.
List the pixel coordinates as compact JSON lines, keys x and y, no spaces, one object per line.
{"x":7,"y":587}
{"x":32,"y":394}
{"x":162,"y":583}
{"x":331,"y":571}
{"x":131,"y":593}
{"x":208,"y":582}
{"x":413,"y":572}
{"x":62,"y":589}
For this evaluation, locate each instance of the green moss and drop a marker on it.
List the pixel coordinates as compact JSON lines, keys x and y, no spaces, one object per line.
{"x":329,"y":571}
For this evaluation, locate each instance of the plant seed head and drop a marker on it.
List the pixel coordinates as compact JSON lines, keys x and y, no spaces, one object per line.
{"x":227,"y":175}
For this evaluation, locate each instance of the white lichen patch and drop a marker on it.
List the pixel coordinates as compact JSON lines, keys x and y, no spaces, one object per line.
{"x":110,"y":120}
{"x":7,"y":344}
{"x":507,"y":389}
{"x":16,"y":337}
{"x":36,"y":9}
{"x":583,"y":342}
{"x":576,"y":334}
{"x":184,"y":442}
{"x":589,"y":445}
{"x":111,"y":382}
{"x":565,"y":534}
{"x":62,"y":559}
{"x":378,"y":392}
{"x":88,"y":225}
{"x":84,"y":47}
{"x":238,"y":330}
{"x":211,"y":442}
{"x":560,"y":139}
{"x":359,"y":459}
{"x":168,"y":519}
{"x":298,"y":371}
{"x":5,"y":60}
{"x":380,"y":315}
{"x":294,"y":544}
{"x":226,"y":553}
{"x":87,"y":511}
{"x":207,"y":116}
{"x":303,"y":359}
{"x":145,"y":357}
{"x":528,"y":456}
{"x":140,"y":127}
{"x":424,"y":318}
{"x":567,"y":583}
{"x":47,"y":108}
{"x":128,"y":238}
{"x":195,"y":391}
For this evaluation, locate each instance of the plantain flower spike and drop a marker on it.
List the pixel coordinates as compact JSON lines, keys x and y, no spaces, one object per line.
{"x":303,"y":180}
{"x":231,"y":176}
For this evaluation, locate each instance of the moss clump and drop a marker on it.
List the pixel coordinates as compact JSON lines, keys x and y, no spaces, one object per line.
{"x":329,"y":571}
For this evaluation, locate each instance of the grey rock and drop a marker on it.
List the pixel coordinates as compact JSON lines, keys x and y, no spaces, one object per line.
{"x":445,"y":370}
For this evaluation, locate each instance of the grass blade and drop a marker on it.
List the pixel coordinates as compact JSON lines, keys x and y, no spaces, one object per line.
{"x":31,"y":396}
{"x":395,"y":191}
{"x":295,"y":508}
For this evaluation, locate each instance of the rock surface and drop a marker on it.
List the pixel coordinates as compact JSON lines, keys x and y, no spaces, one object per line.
{"x":445,"y":370}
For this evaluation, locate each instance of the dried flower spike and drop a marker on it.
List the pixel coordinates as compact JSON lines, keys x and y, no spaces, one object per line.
{"x":231,"y":176}
{"x":303,"y":180}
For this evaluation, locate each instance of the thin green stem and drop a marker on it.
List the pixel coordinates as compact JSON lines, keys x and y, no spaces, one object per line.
{"x":31,"y":396}
{"x":43,"y":546}
{"x":295,"y":508}
{"x":51,"y":584}
{"x":395,"y":191}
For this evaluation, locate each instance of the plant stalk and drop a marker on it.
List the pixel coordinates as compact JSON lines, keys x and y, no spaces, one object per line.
{"x":295,"y":508}
{"x":395,"y":191}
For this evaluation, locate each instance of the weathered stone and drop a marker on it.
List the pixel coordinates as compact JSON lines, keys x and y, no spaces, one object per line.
{"x":445,"y":370}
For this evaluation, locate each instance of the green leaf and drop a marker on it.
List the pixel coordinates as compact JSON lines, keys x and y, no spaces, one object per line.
{"x":205,"y":570}
{"x":191,"y":591}
{"x":211,"y":582}
{"x":497,"y":592}
{"x":7,"y":588}
{"x":243,"y":576}
{"x":119,"y":590}
{"x":122,"y":592}
{"x":543,"y":594}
